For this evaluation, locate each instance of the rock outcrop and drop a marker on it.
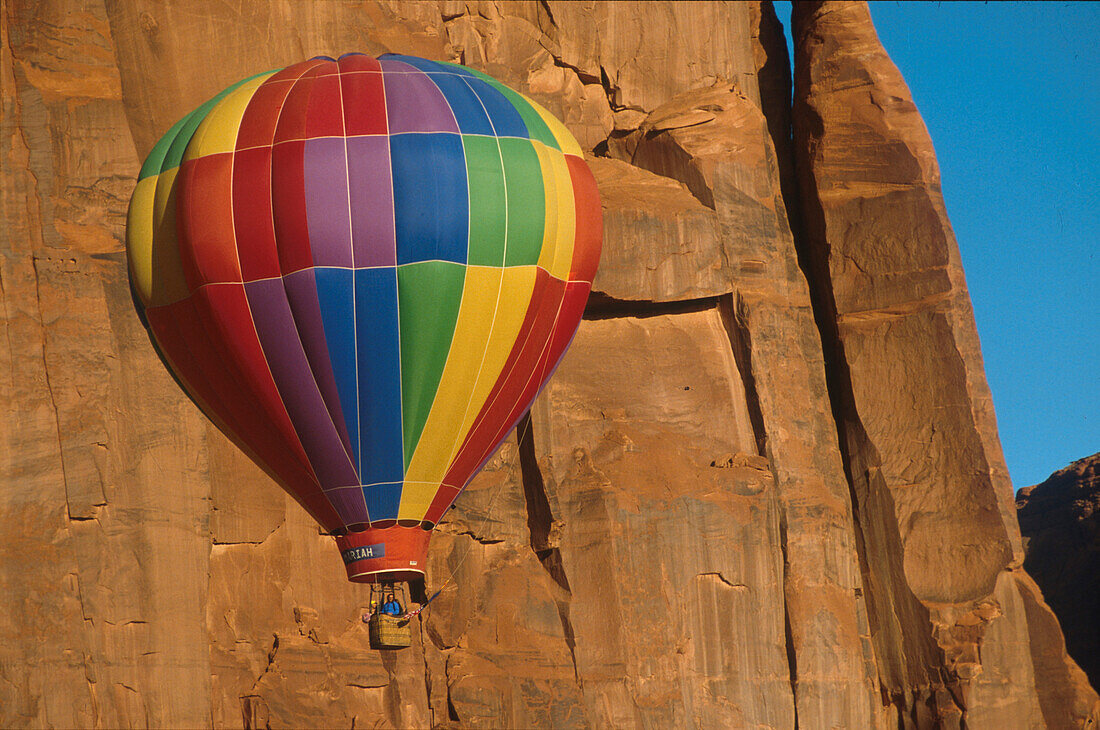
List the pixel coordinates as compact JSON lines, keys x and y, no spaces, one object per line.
{"x":764,"y":488}
{"x":1060,"y":522}
{"x":893,"y":309}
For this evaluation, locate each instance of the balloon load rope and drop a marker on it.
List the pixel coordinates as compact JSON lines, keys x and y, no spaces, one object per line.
{"x":488,"y":515}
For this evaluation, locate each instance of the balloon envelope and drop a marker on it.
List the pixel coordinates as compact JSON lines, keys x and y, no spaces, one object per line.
{"x":364,"y":270}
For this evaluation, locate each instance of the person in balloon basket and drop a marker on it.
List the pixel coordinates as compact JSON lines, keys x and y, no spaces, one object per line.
{"x":392,"y":606}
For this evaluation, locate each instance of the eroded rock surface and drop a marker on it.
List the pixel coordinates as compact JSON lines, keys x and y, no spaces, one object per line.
{"x":941,"y":548}
{"x":679,"y":535}
{"x":1060,"y":522}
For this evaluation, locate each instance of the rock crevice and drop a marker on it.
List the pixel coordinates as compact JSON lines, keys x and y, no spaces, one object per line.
{"x":891,"y":305}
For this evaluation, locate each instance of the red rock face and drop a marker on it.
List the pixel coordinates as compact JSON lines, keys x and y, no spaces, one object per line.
{"x":1060,"y":522}
{"x":911,"y":403}
{"x":764,"y":487}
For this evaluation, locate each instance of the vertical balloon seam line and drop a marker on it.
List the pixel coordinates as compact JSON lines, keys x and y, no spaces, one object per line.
{"x":290,"y":307}
{"x":354,"y":283}
{"x":532,"y":131}
{"x":566,"y":249}
{"x":173,"y":158}
{"x":354,"y":324}
{"x":212,"y":414}
{"x":308,"y":462}
{"x":499,"y":436}
{"x":458,"y":309}
{"x":502,"y":433}
{"x":163,"y":145}
{"x":548,"y":180}
{"x":208,"y":107}
{"x":546,"y":365}
{"x":460,"y":437}
{"x":154,"y":161}
{"x":568,"y":344}
{"x":354,"y":300}
{"x":271,"y":203}
{"x":160,"y":152}
{"x":271,"y":182}
{"x":469,"y":231}
{"x":487,"y":452}
{"x":237,"y":255}
{"x":542,"y":376}
{"x":495,"y":391}
{"x":396,"y":292}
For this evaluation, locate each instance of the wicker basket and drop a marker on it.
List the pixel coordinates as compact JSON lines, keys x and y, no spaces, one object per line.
{"x":388,"y":632}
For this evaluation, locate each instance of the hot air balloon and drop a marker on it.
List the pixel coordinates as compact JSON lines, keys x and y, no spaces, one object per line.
{"x":363,"y":271}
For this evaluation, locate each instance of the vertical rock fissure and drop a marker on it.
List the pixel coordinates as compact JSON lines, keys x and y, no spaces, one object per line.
{"x":740,"y":344}
{"x":779,"y":109}
{"x":427,"y":669}
{"x":49,"y":385}
{"x":799,"y":198}
{"x":776,"y":84}
{"x":774,"y":79}
{"x":792,"y":126}
{"x":906,"y":653}
{"x":391,"y":695}
{"x":448,"y":684}
{"x":739,"y":339}
{"x":252,"y":710}
{"x":788,"y":636}
{"x":253,"y":706}
{"x":540,"y":523}
{"x":452,"y":711}
{"x":812,"y":250}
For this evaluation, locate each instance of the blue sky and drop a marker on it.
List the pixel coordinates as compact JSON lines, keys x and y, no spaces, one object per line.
{"x":1010,"y":93}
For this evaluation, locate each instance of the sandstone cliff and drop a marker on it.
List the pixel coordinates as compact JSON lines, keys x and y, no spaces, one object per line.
{"x":1060,"y":521}
{"x":764,"y":488}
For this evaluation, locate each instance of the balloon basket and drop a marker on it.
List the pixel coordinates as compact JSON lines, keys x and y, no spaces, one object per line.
{"x":385,"y":630}
{"x":389,"y":632}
